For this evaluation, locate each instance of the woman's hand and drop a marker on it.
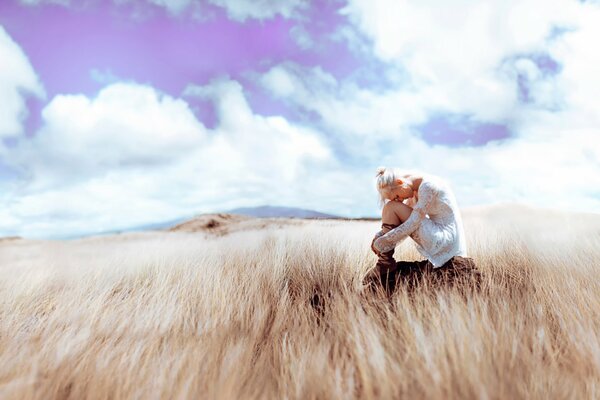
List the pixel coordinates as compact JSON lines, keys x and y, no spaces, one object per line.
{"x":377,"y":236}
{"x":373,"y":247}
{"x":379,"y":243}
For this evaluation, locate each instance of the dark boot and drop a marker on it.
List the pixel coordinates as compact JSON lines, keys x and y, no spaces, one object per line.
{"x":388,"y":269}
{"x":384,"y":271}
{"x":383,"y":274}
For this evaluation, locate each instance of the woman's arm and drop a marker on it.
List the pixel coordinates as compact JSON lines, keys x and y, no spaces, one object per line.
{"x":388,"y":241}
{"x":386,"y":227}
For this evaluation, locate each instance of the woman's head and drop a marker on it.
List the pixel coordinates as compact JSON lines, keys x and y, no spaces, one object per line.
{"x":392,"y":184}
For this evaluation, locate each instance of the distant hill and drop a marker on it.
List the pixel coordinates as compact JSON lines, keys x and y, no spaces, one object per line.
{"x":10,"y":238}
{"x":284,"y":212}
{"x":196,"y":222}
{"x":158,"y":225}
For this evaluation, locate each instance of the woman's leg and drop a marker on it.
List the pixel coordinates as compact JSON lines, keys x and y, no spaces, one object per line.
{"x":393,"y":214}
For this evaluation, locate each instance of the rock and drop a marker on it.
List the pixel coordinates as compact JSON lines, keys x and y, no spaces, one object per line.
{"x":421,"y":274}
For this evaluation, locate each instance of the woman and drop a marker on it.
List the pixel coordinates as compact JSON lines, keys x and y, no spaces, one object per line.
{"x":430,"y":217}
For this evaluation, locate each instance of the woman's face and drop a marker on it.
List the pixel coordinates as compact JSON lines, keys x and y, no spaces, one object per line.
{"x":400,"y":193}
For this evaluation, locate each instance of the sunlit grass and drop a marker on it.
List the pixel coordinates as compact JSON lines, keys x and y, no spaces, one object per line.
{"x":174,"y":315}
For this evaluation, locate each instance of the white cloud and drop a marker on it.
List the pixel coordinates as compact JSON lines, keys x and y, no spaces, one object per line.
{"x":575,"y":50}
{"x":18,"y":79}
{"x":125,"y":125}
{"x":346,"y":108}
{"x":103,"y":77}
{"x":173,"y":6}
{"x":549,"y":165}
{"x":37,"y":2}
{"x":464,"y":59}
{"x":132,"y":156}
{"x":241,"y":10}
{"x":253,"y":136}
{"x":453,"y":39}
{"x":302,"y":37}
{"x":454,"y":49}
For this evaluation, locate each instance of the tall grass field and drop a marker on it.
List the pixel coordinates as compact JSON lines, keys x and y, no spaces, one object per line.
{"x":194,"y":315}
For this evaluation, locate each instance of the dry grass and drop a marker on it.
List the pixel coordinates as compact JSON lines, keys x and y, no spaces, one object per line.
{"x":180,"y":315}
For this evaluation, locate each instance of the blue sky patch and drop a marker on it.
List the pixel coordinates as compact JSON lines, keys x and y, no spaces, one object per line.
{"x":461,"y":131}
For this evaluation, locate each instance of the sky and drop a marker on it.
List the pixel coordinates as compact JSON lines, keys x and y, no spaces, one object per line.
{"x":121,"y":113}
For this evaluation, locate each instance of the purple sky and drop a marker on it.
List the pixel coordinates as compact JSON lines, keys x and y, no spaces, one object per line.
{"x":455,"y":131}
{"x":167,"y":52}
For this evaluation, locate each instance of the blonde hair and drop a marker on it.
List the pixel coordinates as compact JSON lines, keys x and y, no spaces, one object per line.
{"x":387,"y":179}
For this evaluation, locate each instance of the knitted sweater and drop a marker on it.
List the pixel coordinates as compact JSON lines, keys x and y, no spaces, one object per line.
{"x":439,"y":234}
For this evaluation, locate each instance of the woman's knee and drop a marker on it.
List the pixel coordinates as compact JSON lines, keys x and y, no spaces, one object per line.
{"x":389,"y":217}
{"x":395,"y":212}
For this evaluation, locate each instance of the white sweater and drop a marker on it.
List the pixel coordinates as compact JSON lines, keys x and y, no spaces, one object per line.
{"x":440,"y":236}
